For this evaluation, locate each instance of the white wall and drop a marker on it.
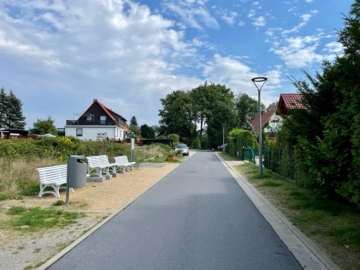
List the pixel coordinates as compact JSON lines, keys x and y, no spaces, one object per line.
{"x":90,"y":132}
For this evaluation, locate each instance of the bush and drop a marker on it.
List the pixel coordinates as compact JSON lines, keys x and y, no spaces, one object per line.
{"x":196,"y":143}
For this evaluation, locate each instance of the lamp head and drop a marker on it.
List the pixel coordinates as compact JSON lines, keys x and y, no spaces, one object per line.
{"x":259,"y":79}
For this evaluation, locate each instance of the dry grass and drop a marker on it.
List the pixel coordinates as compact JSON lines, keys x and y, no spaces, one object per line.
{"x":19,"y":174}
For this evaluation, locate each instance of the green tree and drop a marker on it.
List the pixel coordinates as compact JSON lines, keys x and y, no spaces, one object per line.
{"x":134,"y":126}
{"x":201,"y":98}
{"x":42,"y":127}
{"x":133,"y":121}
{"x":147,"y":132}
{"x":3,"y":107}
{"x":246,"y":110}
{"x":272,"y":106}
{"x":324,"y":139}
{"x":13,"y":112}
{"x":196,"y":143}
{"x":177,"y":115}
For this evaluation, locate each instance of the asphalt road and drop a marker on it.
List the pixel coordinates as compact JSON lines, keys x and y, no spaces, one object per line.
{"x":197,"y":217}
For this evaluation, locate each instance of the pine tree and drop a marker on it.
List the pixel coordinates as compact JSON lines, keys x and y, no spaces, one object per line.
{"x":133,"y":121}
{"x":3,"y":107}
{"x":14,"y":115}
{"x":134,"y":126}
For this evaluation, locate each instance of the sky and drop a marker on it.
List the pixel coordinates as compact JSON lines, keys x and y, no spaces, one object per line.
{"x":59,"y":55}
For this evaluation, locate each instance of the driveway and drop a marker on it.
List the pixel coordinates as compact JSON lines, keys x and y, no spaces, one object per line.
{"x":197,"y":217}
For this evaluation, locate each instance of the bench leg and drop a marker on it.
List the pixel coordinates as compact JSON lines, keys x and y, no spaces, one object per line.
{"x":56,"y":192}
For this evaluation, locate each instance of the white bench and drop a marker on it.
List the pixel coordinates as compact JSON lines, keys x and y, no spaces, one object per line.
{"x":102,"y":167}
{"x":123,"y":160}
{"x":54,"y":177}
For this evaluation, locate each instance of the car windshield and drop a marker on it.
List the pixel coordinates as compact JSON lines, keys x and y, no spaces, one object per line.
{"x":181,"y":146}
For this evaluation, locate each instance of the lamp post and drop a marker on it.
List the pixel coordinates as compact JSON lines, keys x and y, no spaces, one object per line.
{"x":223,"y":138}
{"x":263,"y":81}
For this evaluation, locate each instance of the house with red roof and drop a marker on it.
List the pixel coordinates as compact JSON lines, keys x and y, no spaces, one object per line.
{"x":97,"y":119}
{"x":289,"y":102}
{"x":272,"y":121}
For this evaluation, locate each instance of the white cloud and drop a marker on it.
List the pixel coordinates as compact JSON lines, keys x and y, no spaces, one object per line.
{"x":251,"y":13}
{"x":229,"y":17}
{"x":260,"y":21}
{"x":299,"y":51}
{"x":193,"y":13}
{"x":236,"y":75}
{"x":305,"y":18}
{"x":334,"y":47}
{"x":106,"y":50}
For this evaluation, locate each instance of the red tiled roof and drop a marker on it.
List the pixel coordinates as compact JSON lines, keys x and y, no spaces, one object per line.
{"x":293,"y":101}
{"x":265,"y":117}
{"x":290,"y":101}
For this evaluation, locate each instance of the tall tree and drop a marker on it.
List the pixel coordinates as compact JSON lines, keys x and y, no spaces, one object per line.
{"x":134,"y":126}
{"x":177,"y":115}
{"x":11,"y":115}
{"x":3,"y":107}
{"x":201,"y":101}
{"x":325,"y":138}
{"x":246,"y":109}
{"x":133,"y":121}
{"x":14,"y":115}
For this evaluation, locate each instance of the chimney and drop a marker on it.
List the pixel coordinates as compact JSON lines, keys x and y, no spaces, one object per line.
{"x":262,"y":112}
{"x":95,"y":100}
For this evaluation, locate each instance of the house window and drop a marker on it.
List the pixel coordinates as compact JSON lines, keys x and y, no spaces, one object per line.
{"x":89,"y":118}
{"x":79,"y":132}
{"x":102,"y":120}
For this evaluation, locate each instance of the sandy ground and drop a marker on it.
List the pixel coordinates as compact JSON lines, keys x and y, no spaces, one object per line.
{"x":20,"y":250}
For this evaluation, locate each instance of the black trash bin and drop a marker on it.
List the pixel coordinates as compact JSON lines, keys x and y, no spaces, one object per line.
{"x":76,"y":171}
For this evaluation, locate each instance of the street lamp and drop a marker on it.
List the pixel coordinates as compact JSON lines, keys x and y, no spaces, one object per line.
{"x":263,"y":81}
{"x":223,"y":137}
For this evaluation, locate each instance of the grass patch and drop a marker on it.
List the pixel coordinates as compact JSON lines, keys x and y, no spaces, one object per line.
{"x":58,"y":203}
{"x":269,"y":184}
{"x":334,"y":226}
{"x":34,"y":219}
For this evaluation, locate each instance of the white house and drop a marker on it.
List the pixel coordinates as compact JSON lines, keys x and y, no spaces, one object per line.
{"x":95,"y":120}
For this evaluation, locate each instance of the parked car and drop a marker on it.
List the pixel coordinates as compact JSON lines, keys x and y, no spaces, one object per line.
{"x":183,"y":147}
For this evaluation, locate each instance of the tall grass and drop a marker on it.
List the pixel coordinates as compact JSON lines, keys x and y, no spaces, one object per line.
{"x":20,"y":158}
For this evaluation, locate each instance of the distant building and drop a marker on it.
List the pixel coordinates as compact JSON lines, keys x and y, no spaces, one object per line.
{"x":274,"y":123}
{"x":97,"y":119}
{"x":12,"y":133}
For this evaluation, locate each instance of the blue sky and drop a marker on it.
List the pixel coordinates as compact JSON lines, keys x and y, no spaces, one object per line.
{"x":58,"y":55}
